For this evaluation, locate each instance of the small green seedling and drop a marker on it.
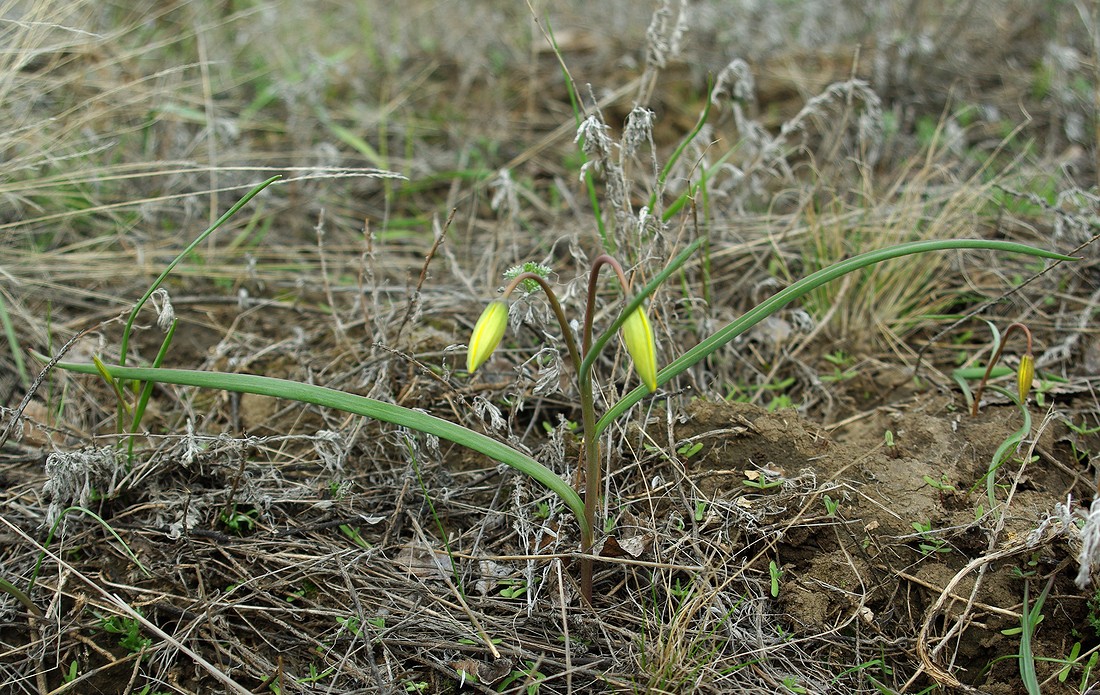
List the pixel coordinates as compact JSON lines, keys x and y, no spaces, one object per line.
{"x":1030,"y":569}
{"x":943,"y":484}
{"x":529,"y":674}
{"x":776,"y":572}
{"x":353,"y":536}
{"x":929,"y":542}
{"x":780,"y":402}
{"x":307,"y":590}
{"x":239,"y":523}
{"x":689,"y":450}
{"x":841,"y":362}
{"x":701,"y":510}
{"x":679,"y":589}
{"x":831,"y":505}
{"x":1042,"y":387}
{"x":762,"y":480}
{"x":130,"y":630}
{"x":512,"y":588}
{"x":1082,"y":429}
{"x":570,"y":426}
{"x":316,"y":675}
{"x":839,"y":358}
{"x":837,"y":375}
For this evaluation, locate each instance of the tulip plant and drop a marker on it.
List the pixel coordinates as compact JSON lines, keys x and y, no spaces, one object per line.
{"x":1025,"y":373}
{"x":638,"y":337}
{"x":133,"y":382}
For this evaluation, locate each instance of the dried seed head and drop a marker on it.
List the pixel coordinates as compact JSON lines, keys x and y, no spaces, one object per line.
{"x":638,"y":130}
{"x":595,"y":142}
{"x":163,"y":304}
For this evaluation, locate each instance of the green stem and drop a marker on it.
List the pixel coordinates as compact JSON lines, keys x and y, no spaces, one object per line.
{"x":555,"y":306}
{"x":593,"y":471}
{"x":589,"y":450}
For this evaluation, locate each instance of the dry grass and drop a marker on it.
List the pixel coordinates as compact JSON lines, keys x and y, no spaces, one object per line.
{"x":293,"y":549}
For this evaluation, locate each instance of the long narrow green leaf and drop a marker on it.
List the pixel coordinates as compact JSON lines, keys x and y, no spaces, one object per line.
{"x":1007,"y":447}
{"x":351,"y":403}
{"x":13,"y":345}
{"x":1029,"y":621}
{"x":798,"y":289}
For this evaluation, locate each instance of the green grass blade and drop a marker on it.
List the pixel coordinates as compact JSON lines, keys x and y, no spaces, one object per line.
{"x":351,"y":403}
{"x":13,"y":344}
{"x":1007,"y":447}
{"x":125,"y":343}
{"x":800,"y":288}
{"x":15,"y":592}
{"x":147,"y":392}
{"x":98,"y":519}
{"x":359,"y":145}
{"x":1028,"y":622}
{"x":679,"y":151}
{"x":965,"y":375}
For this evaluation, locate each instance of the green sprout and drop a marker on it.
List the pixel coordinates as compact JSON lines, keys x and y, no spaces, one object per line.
{"x":775,"y":571}
{"x":129,"y":630}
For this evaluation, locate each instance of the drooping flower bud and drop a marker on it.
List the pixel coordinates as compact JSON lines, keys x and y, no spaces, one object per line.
{"x":638,"y":336}
{"x":1025,"y":374}
{"x":488,"y":331}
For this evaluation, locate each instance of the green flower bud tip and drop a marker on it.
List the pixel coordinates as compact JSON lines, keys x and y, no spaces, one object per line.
{"x":638,"y":336}
{"x":487,"y":334}
{"x":1025,"y":374}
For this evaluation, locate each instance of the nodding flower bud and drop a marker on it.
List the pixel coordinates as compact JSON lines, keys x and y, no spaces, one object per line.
{"x":1025,"y":374}
{"x":487,"y":334}
{"x":638,"y":336}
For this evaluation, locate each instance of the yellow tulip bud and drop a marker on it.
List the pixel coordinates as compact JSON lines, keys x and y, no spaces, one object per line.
{"x":487,"y":334}
{"x":638,"y":336}
{"x":1025,"y":374}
